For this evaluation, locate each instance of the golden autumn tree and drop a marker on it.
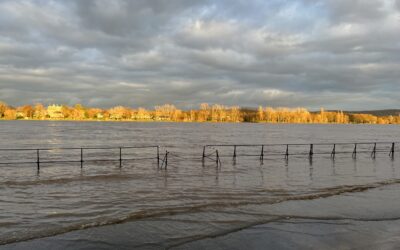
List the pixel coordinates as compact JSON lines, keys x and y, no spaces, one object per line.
{"x":78,"y":112}
{"x":204,"y":113}
{"x":234,"y":114}
{"x":67,"y":112}
{"x":260,"y":114}
{"x":214,"y":113}
{"x":24,"y":112}
{"x":192,"y":116}
{"x":94,"y":113}
{"x":39,"y":111}
{"x":119,"y":113}
{"x":3,"y":107}
{"x":141,"y":114}
{"x":166,"y":112}
{"x":10,"y":113}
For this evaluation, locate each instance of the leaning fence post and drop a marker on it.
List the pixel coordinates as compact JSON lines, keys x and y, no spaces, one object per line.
{"x":310,"y":155}
{"x":204,"y":153}
{"x":37,"y":159}
{"x":373,"y":153}
{"x":333,"y":151}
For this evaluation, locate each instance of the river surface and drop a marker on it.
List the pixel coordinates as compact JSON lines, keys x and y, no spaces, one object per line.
{"x":63,"y":197}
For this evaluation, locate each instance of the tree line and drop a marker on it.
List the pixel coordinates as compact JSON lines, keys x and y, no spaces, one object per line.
{"x":205,"y":113}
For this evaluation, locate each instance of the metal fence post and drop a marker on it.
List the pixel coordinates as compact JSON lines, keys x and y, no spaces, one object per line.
{"x":310,"y":155}
{"x":81,"y":157}
{"x":166,"y":159}
{"x":355,"y":151}
{"x":204,"y":153}
{"x":287,"y":152}
{"x":373,"y":153}
{"x":37,"y":159}
{"x":158,"y":156}
{"x":120,"y":157}
{"x":392,"y":150}
{"x":262,"y":153}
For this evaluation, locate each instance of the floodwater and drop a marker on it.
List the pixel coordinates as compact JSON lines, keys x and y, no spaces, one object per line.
{"x":189,"y":201}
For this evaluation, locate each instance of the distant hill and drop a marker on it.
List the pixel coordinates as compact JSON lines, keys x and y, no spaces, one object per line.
{"x":383,"y":112}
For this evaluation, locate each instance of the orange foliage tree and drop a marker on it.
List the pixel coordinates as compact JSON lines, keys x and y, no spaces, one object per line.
{"x":205,"y":113}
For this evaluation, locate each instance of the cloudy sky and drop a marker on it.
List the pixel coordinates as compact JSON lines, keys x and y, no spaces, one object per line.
{"x":339,"y":54}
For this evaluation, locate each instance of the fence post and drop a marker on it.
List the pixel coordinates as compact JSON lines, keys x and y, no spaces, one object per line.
{"x":310,"y":155}
{"x":120,"y":157}
{"x":234,"y":152}
{"x":204,"y":153}
{"x":373,"y":153}
{"x":166,"y":159}
{"x":158,"y":156}
{"x":38,"y":159}
{"x":333,"y":151}
{"x":392,"y":150}
{"x":81,"y":157}
{"x":287,"y":152}
{"x":355,"y":151}
{"x":217,"y":160}
{"x":262,"y":153}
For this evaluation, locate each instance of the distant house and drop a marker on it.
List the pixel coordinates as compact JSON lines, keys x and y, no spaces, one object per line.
{"x":163,"y":118}
{"x":99,"y":115}
{"x":20,"y":115}
{"x":55,"y":112}
{"x":115,"y":116}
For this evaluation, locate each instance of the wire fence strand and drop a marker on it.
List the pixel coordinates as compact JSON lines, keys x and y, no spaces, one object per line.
{"x":214,"y":154}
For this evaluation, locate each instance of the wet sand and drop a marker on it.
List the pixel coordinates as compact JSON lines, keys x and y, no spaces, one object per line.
{"x":359,"y":220}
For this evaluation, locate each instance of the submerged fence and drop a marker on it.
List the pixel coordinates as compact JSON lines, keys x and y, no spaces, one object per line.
{"x":83,"y":154}
{"x":213,"y":152}
{"x":296,"y":149}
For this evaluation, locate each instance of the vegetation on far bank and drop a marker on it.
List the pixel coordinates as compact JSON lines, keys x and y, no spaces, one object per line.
{"x":205,"y":113}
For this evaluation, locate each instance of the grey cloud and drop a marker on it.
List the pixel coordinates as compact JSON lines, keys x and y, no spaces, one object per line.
{"x":338,"y":54}
{"x":356,"y":10}
{"x":122,"y":18}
